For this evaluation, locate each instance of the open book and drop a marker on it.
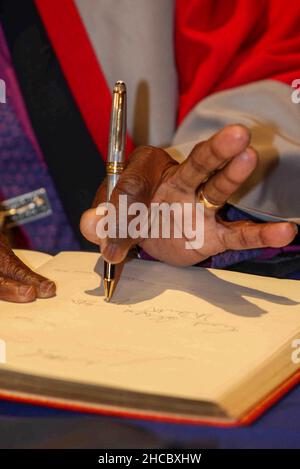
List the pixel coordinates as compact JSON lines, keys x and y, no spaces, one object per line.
{"x":175,"y":343}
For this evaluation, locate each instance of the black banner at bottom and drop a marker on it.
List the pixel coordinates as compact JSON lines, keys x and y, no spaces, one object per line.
{"x":145,"y":457}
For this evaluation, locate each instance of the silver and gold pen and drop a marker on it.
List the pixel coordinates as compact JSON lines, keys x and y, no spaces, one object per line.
{"x":114,"y":166}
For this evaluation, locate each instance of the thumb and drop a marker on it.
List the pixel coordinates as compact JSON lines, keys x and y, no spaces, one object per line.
{"x":88,"y":225}
{"x":109,"y":248}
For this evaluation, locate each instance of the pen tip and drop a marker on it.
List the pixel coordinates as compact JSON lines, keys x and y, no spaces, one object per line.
{"x":108,"y":288}
{"x":119,"y":87}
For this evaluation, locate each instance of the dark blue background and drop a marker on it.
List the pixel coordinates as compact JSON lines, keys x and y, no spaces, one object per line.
{"x":279,"y":427}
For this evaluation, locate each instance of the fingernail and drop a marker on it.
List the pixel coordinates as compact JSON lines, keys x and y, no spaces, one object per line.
{"x":46,"y":289}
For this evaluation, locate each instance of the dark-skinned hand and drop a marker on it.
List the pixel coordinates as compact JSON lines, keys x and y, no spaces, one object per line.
{"x":220,"y":165}
{"x":18,"y":282}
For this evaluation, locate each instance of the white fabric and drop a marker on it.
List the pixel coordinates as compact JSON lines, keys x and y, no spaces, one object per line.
{"x":274,"y":120}
{"x":133,"y":40}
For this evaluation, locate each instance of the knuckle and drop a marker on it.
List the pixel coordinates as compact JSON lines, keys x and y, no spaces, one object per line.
{"x":197,"y":164}
{"x":243,"y":238}
{"x":219,"y":157}
{"x":15,"y":272}
{"x":6,"y":262}
{"x":3,"y":281}
{"x":135,"y":185}
{"x":12,"y":268}
{"x":147,"y":155}
{"x":198,"y":147}
{"x":141,"y":154}
{"x":204,"y":156}
{"x":233,"y":181}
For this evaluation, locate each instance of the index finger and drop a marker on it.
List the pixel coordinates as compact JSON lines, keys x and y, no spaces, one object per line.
{"x":209,"y":156}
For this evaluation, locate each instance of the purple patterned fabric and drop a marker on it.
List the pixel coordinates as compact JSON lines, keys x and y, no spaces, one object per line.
{"x":22,"y":168}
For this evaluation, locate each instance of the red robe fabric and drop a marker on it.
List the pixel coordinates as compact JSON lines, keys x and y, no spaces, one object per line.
{"x":218,"y":45}
{"x":224,"y":44}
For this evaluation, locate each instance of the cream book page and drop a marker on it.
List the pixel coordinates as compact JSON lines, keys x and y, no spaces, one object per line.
{"x":34,"y":259}
{"x":186,"y":332}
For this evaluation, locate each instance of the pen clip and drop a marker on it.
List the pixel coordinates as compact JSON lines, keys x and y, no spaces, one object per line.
{"x":117,"y":141}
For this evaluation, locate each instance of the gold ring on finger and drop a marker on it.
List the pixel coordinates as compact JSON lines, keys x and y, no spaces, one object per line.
{"x":207,"y":204}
